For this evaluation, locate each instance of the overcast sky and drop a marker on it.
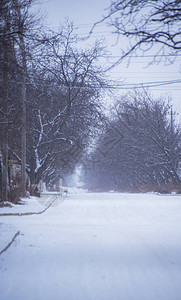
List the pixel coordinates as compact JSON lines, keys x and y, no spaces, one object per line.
{"x":87,"y":12}
{"x":80,"y":11}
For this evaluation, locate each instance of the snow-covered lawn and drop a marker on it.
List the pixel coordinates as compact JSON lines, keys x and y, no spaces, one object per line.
{"x":93,"y":246}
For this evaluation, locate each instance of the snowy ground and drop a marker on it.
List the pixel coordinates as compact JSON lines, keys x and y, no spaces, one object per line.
{"x":93,"y":246}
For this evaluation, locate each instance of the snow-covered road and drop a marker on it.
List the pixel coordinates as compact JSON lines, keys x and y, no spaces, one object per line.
{"x":94,"y":247}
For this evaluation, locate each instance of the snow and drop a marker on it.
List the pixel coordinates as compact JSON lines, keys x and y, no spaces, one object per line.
{"x":98,"y":246}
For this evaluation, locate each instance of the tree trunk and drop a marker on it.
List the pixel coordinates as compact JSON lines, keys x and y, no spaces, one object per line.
{"x":4,"y":188}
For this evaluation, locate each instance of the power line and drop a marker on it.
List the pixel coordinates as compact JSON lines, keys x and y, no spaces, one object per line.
{"x":121,"y":86}
{"x":138,"y":72}
{"x":146,"y":56}
{"x":146,"y":84}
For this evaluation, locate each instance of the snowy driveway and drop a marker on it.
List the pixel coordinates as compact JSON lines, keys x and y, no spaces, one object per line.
{"x":94,"y":246}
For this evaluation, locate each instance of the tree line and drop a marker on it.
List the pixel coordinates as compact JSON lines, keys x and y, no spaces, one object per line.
{"x":49,"y":101}
{"x":140,"y":148}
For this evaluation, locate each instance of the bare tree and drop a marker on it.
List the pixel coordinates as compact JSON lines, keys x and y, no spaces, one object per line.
{"x":66,"y":82}
{"x":141,"y":147}
{"x":145,"y":24}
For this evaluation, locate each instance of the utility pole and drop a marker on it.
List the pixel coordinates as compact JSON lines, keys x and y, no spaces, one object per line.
{"x":23,"y":133}
{"x":23,"y":103}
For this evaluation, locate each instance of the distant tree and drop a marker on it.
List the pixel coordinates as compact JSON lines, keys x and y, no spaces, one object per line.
{"x":147,"y":23}
{"x":141,"y":147}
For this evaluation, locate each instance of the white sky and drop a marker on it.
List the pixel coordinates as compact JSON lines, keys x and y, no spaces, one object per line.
{"x":86,"y":12}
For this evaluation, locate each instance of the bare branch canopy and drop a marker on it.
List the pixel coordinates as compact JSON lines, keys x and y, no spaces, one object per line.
{"x":147,"y":24}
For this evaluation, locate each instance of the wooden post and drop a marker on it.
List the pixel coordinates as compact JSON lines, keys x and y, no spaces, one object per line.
{"x":23,"y":104}
{"x":23,"y":154}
